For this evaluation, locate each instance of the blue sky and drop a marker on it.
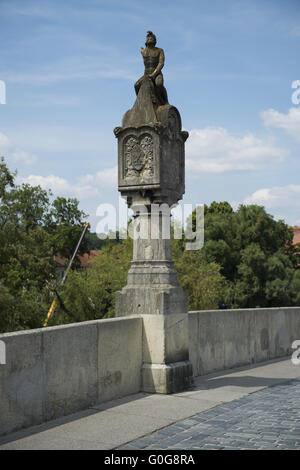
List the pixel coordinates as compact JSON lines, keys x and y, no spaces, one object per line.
{"x":70,"y":67}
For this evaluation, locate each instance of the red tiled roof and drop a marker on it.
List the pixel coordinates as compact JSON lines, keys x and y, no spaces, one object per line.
{"x":84,"y":259}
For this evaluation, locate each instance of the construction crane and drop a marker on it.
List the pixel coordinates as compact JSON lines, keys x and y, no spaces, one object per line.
{"x":54,"y":303}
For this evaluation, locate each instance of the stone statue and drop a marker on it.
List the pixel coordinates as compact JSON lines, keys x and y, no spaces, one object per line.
{"x":151,"y":139}
{"x":151,"y":106}
{"x":151,"y":178}
{"x":154,"y":59}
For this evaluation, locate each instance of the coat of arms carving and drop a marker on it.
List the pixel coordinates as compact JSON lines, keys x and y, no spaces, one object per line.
{"x":139,"y":157}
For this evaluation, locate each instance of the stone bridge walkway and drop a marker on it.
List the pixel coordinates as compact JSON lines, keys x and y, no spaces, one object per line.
{"x":247,"y":408}
{"x":269,"y":420}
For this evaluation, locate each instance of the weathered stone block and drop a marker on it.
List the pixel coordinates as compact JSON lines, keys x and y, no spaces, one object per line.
{"x":167,"y":378}
{"x":238,"y":350}
{"x":70,"y":362}
{"x":165,"y":338}
{"x":22,"y":381}
{"x":119,"y":357}
{"x":145,"y":300}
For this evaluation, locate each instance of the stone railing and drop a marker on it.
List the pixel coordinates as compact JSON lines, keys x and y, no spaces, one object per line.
{"x":56,"y":371}
{"x":223,"y":339}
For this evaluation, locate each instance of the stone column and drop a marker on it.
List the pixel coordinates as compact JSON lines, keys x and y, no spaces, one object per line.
{"x":151,"y":177}
{"x":152,"y":286}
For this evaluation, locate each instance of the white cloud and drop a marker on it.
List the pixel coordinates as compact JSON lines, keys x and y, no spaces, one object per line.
{"x":13,"y":153}
{"x":107,"y":178}
{"x":23,"y":157}
{"x":61,"y":187}
{"x":289,"y":122}
{"x":276,"y":197}
{"x":214,"y":150}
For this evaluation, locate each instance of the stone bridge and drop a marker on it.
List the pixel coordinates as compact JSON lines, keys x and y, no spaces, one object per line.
{"x":56,"y":371}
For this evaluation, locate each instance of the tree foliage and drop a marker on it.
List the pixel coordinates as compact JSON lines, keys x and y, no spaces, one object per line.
{"x":33,"y":229}
{"x":202,"y":281}
{"x":255,"y":253}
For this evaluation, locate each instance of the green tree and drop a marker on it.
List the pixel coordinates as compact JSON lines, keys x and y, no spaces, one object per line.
{"x":32,"y":230}
{"x":93,"y":241}
{"x":64,"y":222}
{"x":255,"y":253}
{"x":202,"y":281}
{"x":26,"y":206}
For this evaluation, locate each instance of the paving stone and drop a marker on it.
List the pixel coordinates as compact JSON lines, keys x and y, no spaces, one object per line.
{"x":268,"y":419}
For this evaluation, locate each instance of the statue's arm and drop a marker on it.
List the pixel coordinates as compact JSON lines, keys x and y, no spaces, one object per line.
{"x":161,"y":63}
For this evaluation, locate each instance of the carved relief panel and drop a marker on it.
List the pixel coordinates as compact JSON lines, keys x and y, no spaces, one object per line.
{"x":138,"y":156}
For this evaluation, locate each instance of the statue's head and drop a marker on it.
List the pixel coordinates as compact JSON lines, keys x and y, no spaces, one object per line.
{"x":150,"y":39}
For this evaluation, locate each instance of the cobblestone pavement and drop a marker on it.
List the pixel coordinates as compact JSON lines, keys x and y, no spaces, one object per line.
{"x":268,"y":419}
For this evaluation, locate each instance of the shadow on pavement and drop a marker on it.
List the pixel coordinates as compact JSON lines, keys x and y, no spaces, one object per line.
{"x":25,"y":432}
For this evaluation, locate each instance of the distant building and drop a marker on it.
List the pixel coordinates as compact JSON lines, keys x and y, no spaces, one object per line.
{"x":296,"y":238}
{"x":62,"y":263}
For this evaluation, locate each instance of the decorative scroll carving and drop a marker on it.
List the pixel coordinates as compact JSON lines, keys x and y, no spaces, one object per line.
{"x":139,"y":157}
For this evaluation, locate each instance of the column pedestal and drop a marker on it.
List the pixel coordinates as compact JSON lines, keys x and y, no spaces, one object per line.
{"x":166,"y":366}
{"x":167,"y":378}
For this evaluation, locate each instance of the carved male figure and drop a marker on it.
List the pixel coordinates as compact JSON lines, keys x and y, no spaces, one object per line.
{"x":154,"y":60}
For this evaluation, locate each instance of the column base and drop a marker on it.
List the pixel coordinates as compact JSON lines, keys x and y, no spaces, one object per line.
{"x":167,"y":378}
